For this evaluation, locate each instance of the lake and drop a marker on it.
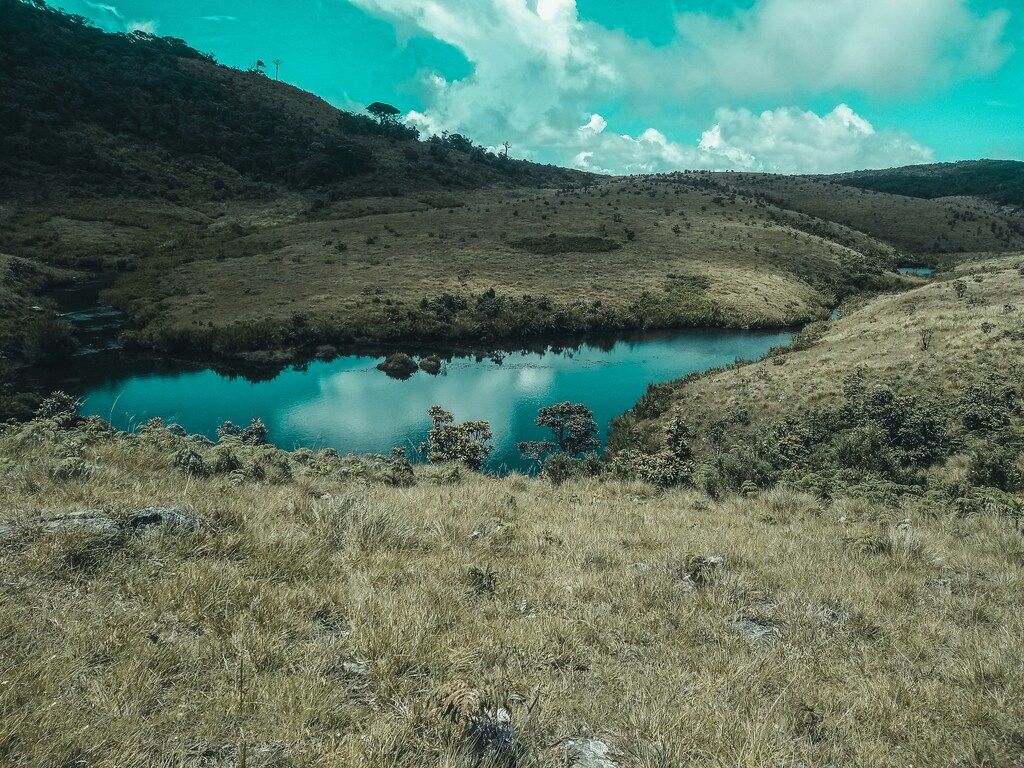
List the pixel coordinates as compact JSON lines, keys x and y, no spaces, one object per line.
{"x":918,"y":271}
{"x":349,"y":405}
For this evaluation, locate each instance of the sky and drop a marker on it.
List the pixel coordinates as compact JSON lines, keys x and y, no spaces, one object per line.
{"x":641,"y":86}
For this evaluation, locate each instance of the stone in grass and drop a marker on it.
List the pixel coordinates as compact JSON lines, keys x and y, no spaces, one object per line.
{"x":581,"y":752}
{"x":758,"y":630}
{"x":492,"y":738}
{"x":698,"y":572}
{"x":431,"y":364}
{"x":166,"y":518}
{"x":398,"y":366}
{"x":91,"y":522}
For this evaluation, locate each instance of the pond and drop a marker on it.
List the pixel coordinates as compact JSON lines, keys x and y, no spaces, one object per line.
{"x":349,"y":405}
{"x":918,"y":271}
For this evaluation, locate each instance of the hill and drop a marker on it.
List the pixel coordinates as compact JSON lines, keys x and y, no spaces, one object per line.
{"x":931,"y":231}
{"x":230,"y":214}
{"x":1000,"y":181}
{"x":132,"y":114}
{"x":168,"y":600}
{"x":913,"y":392}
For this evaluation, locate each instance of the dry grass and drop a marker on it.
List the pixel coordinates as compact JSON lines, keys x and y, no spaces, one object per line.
{"x":672,"y":253}
{"x":323,"y":621}
{"x":935,"y":341}
{"x":694,"y":249}
{"x":916,"y":226}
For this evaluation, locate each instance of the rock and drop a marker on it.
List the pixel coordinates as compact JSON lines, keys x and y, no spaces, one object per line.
{"x":699,"y":572}
{"x":492,"y":738}
{"x":171,"y":518}
{"x":581,"y":752}
{"x":760,"y":631}
{"x":398,"y":366}
{"x":92,"y":522}
{"x":431,"y":364}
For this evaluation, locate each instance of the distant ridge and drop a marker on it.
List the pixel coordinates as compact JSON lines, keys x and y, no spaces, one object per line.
{"x":1001,"y":181}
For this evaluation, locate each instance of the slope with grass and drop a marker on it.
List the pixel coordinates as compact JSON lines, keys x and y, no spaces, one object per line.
{"x":303,"y":609}
{"x":929,"y":231}
{"x":1001,"y":181}
{"x":910,"y":392}
{"x":236,"y":215}
{"x":628,"y":254}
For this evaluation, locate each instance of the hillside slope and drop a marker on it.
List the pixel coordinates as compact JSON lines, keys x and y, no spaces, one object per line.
{"x":131,"y":114}
{"x":915,"y":392}
{"x":304,"y":609}
{"x":929,"y":230}
{"x":1000,"y":181}
{"x":231,"y":214}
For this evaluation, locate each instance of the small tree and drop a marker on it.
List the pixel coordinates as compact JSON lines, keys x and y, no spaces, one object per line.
{"x":386,"y":114}
{"x":277,"y":68}
{"x":466,"y":443}
{"x":259,"y":67}
{"x":573,"y":427}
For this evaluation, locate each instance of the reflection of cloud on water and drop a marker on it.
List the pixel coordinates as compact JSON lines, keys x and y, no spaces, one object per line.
{"x":356,"y":408}
{"x":349,"y":405}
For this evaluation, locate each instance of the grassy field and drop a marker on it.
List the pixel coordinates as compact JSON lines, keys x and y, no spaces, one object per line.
{"x":302,"y":609}
{"x":934,"y":341}
{"x":928,"y":229}
{"x":277,"y":279}
{"x":282,"y":277}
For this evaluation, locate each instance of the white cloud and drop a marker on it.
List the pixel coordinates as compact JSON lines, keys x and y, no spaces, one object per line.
{"x":147,"y":26}
{"x":784,"y":140}
{"x":876,"y":46}
{"x":539,"y":72}
{"x":597,"y":124}
{"x":105,"y":8}
{"x":218,"y":18}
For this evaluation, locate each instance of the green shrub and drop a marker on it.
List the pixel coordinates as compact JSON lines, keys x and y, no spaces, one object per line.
{"x":467,"y":443}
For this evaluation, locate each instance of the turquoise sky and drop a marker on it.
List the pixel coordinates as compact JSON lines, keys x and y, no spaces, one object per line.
{"x":352,"y":53}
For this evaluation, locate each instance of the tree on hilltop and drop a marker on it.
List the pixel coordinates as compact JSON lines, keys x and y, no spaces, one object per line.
{"x":385,"y":113}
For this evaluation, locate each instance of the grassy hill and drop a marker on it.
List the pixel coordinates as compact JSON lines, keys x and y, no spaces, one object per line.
{"x":132,"y":114}
{"x":171,"y":601}
{"x":1001,"y":181}
{"x":932,"y":231}
{"x":236,"y":215}
{"x":913,"y":392}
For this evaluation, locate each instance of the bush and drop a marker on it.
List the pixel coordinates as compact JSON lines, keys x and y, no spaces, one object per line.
{"x":562,"y":467}
{"x":254,"y":434}
{"x":467,"y":443}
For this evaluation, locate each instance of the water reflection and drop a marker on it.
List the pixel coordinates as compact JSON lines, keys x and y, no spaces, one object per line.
{"x":349,"y":405}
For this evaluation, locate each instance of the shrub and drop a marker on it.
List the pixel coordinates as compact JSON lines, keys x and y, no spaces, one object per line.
{"x":60,"y":409}
{"x":188,"y":462}
{"x":254,"y":434}
{"x":466,"y":443}
{"x":572,"y":425}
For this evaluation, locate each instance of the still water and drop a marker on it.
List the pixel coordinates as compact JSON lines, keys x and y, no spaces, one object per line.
{"x":349,"y":405}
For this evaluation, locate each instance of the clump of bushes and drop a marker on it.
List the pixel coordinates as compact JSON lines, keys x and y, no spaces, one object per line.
{"x":876,"y":437}
{"x":254,"y":434}
{"x":672,"y":465}
{"x":468,"y":443}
